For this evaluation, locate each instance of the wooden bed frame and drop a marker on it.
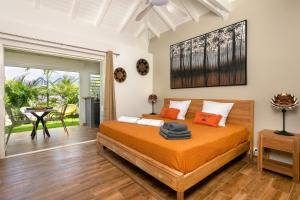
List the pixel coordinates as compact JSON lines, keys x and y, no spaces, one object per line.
{"x":242,"y":113}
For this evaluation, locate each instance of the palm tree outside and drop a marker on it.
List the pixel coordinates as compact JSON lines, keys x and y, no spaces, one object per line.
{"x":41,"y":88}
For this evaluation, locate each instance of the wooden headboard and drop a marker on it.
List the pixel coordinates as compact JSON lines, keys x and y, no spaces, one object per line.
{"x":242,"y":112}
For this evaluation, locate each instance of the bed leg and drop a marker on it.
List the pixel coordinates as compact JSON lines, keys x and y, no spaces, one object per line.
{"x":180,"y":195}
{"x":251,"y":154}
{"x":100,"y":148}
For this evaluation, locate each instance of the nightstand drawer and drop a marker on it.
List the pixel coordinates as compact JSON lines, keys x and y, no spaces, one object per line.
{"x":287,"y":145}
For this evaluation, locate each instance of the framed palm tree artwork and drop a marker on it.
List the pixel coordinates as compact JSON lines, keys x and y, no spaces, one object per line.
{"x":218,"y":58}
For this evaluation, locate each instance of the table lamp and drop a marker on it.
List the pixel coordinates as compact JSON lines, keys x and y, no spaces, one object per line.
{"x":284,"y":102}
{"x":152,"y":99}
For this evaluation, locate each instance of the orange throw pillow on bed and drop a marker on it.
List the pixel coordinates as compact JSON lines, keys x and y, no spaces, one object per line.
{"x":207,"y":119}
{"x":170,"y":113}
{"x":163,"y":112}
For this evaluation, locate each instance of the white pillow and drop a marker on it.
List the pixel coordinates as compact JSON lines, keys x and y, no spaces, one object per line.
{"x":183,"y":106}
{"x":218,"y":109}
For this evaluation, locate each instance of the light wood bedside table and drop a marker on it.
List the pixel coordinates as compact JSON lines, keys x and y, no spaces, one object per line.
{"x":149,"y":115}
{"x":268,"y":140}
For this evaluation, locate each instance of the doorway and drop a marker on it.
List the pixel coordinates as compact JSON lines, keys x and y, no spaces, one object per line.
{"x":40,"y":82}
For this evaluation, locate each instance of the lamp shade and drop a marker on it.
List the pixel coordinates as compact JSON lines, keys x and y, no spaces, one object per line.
{"x":152,"y":98}
{"x":284,"y":101}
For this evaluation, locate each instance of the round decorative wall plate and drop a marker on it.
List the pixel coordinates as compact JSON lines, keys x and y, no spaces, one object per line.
{"x":120,"y":74}
{"x":142,"y":66}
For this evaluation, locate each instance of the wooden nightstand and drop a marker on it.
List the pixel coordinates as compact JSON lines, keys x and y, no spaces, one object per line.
{"x":268,"y":140}
{"x":148,"y":115}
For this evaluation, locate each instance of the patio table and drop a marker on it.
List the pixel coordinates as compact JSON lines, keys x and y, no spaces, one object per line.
{"x":39,"y":114}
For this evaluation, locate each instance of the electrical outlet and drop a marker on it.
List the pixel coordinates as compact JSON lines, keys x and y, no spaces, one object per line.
{"x":255,"y":151}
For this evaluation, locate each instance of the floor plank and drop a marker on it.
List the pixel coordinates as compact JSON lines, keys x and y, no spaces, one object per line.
{"x":22,"y":142}
{"x":239,"y":180}
{"x":75,"y":172}
{"x":80,"y":173}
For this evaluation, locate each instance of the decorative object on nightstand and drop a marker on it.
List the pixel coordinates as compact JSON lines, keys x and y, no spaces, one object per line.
{"x":142,"y":66}
{"x":152,"y":99}
{"x":270,"y":141}
{"x":120,"y":74}
{"x":284,"y":102}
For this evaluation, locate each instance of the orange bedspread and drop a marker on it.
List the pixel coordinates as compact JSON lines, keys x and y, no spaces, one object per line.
{"x":183,"y":155}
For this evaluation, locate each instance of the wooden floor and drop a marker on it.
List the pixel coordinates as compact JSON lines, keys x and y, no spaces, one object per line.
{"x":239,"y":180}
{"x":22,"y":143}
{"x":77,"y":172}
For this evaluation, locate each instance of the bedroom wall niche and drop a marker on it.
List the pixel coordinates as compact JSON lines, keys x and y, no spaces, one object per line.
{"x":272,"y":59}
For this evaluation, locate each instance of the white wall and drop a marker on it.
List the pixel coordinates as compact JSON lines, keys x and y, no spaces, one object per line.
{"x":39,"y":61}
{"x":272,"y":62}
{"x":131,"y":96}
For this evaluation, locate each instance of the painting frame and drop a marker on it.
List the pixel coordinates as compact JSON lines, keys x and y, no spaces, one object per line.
{"x":196,"y":74}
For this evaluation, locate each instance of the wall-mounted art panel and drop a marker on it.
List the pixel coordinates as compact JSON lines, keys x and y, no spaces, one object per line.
{"x":218,"y":58}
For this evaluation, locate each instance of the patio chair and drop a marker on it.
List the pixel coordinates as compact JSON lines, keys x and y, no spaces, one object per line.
{"x":17,"y":120}
{"x":71,"y":111}
{"x":58,"y":115}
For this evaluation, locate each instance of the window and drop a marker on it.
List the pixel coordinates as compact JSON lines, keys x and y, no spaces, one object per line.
{"x":95,"y":85}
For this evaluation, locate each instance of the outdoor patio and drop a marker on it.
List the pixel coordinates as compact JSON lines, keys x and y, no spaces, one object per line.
{"x":40,"y":100}
{"x":22,"y":142}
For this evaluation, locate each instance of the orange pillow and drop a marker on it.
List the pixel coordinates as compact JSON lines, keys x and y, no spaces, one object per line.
{"x":163,"y":112}
{"x":170,"y":113}
{"x":207,"y":119}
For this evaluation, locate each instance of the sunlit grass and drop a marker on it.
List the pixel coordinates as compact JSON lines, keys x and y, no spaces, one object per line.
{"x":55,"y":124}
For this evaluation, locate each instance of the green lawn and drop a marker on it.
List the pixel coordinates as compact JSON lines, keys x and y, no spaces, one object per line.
{"x":56,"y":124}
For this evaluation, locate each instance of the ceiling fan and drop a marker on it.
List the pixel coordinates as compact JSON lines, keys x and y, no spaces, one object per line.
{"x":171,"y":7}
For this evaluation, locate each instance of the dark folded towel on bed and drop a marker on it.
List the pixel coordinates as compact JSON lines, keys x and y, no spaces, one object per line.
{"x":173,"y":126}
{"x":174,"y":135}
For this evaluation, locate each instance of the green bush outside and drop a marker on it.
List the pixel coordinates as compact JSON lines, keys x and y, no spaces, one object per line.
{"x":21,"y":93}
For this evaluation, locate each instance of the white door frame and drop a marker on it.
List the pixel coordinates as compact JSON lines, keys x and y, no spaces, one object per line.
{"x":2,"y":109}
{"x":35,"y":46}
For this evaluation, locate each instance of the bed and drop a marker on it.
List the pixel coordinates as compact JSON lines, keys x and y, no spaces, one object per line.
{"x":182,"y":163}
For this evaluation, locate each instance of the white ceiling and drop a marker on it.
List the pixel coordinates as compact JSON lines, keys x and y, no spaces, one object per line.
{"x":119,"y":15}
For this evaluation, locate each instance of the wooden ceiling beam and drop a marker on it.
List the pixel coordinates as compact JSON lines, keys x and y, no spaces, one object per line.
{"x":102,"y":12}
{"x":193,"y":13}
{"x":164,"y":17}
{"x":74,"y":10}
{"x":153,"y":29}
{"x":222,"y":4}
{"x":37,"y":4}
{"x":130,"y":14}
{"x":214,"y":8}
{"x":140,"y":31}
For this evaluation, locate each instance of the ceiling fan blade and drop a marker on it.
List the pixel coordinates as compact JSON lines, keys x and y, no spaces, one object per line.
{"x":143,"y":13}
{"x":175,"y":9}
{"x":159,"y":2}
